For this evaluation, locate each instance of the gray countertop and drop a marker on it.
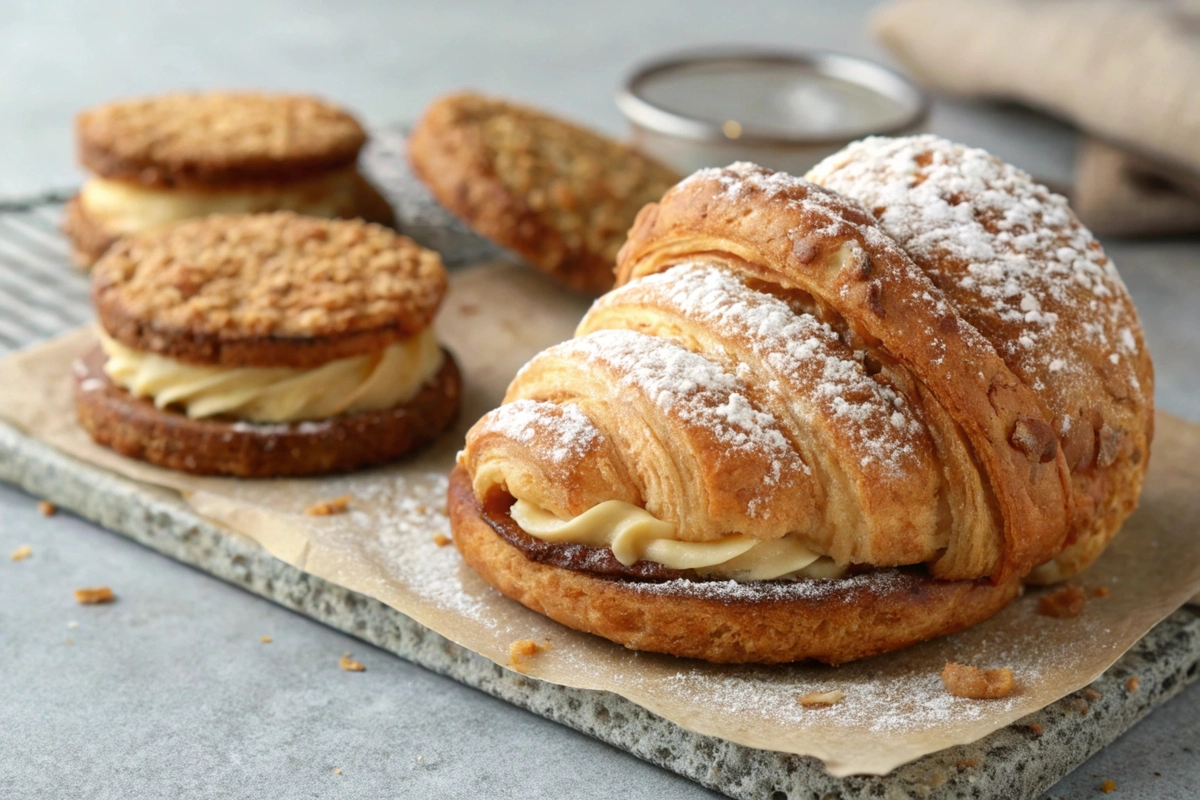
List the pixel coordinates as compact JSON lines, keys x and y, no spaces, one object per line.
{"x":170,"y":691}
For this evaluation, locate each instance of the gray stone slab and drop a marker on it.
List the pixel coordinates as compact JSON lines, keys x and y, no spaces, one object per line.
{"x":1013,"y":763}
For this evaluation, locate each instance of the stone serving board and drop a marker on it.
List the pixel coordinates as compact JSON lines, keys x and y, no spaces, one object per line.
{"x":1014,"y":762}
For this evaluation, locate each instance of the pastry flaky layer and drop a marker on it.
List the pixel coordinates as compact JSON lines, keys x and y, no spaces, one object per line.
{"x":951,"y":378}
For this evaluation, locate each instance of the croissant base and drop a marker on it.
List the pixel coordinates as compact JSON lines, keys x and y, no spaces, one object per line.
{"x":864,"y":619}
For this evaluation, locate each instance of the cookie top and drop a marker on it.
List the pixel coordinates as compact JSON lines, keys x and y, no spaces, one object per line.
{"x":266,"y":290}
{"x":561,"y":196}
{"x":217,"y":139}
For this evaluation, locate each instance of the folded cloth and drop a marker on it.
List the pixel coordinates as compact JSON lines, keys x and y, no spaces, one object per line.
{"x":1125,"y":72}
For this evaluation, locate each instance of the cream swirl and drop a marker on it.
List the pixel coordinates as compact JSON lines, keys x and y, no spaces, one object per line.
{"x":278,"y":394}
{"x":634,"y":535}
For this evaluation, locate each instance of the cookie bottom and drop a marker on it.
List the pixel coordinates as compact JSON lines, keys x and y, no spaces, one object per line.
{"x":134,"y":427}
{"x":89,"y":239}
{"x":764,"y":622}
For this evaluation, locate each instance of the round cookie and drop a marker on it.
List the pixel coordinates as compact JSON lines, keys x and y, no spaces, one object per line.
{"x":763,"y":622}
{"x":270,"y":290}
{"x":560,"y":196}
{"x":217,"y":139}
{"x":266,"y":290}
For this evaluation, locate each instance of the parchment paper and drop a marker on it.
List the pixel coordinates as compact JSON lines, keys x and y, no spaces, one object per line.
{"x":895,"y":708}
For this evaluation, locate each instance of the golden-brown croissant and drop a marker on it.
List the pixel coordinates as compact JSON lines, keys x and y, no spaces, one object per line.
{"x":781,"y":438}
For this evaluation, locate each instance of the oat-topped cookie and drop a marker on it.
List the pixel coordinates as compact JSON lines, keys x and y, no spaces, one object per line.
{"x":217,"y":139}
{"x":267,"y":290}
{"x":267,"y":345}
{"x":561,"y":196}
{"x":155,"y":161}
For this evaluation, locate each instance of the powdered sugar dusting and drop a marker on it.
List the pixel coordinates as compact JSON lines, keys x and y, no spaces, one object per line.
{"x":1010,"y":254}
{"x":798,"y":347}
{"x":695,"y":390}
{"x":564,"y":431}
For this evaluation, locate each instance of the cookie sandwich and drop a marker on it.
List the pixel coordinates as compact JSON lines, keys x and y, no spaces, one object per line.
{"x":158,"y":160}
{"x":558,"y":195}
{"x":267,"y":345}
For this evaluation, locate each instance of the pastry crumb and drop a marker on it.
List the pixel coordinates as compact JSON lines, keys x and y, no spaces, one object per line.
{"x":1081,"y":705}
{"x":327,"y":508}
{"x":350,"y":665}
{"x":1091,"y":694}
{"x":337,"y":770}
{"x":1108,"y":786}
{"x":521,"y":650}
{"x":1036,"y":729}
{"x":94,"y":595}
{"x":47,"y":508}
{"x":441,"y":539}
{"x":966,"y":763}
{"x":974,"y":683}
{"x":1133,"y":683}
{"x":821,"y":699}
{"x":21,"y":553}
{"x":70,"y":640}
{"x":1065,"y":603}
{"x":265,"y":639}
{"x":1100,"y":591}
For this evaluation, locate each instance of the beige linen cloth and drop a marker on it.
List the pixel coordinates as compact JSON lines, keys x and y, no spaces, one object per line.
{"x":1126,"y":72}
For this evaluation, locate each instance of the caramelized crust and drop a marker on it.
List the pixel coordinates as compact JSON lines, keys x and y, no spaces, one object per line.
{"x":134,"y":427}
{"x":272,"y":290}
{"x":561,"y":196}
{"x":767,"y":623}
{"x":218,"y":139}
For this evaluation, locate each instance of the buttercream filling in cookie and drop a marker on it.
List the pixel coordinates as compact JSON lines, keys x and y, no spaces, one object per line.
{"x":634,"y":534}
{"x":124,"y":208}
{"x":371,"y":382}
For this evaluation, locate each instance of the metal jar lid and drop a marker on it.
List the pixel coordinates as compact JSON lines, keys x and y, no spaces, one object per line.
{"x":695,"y":108}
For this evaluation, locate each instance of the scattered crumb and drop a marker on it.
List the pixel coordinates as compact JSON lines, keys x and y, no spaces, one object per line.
{"x":326,"y":508}
{"x":1036,"y":729}
{"x":468,"y":309}
{"x":1100,"y":591}
{"x":1091,"y":694}
{"x":1108,"y":786}
{"x":21,"y":553}
{"x":47,"y":508}
{"x":1080,"y":705}
{"x":422,"y":508}
{"x":350,"y":665}
{"x":977,"y":684}
{"x":441,"y":539}
{"x":265,"y":639}
{"x":966,"y":763}
{"x":72,"y":624}
{"x":821,"y":699}
{"x":1132,"y":684}
{"x":937,"y":779}
{"x":521,"y":650}
{"x":337,"y":770}
{"x":70,"y":640}
{"x":92,"y":596}
{"x":1067,"y":602}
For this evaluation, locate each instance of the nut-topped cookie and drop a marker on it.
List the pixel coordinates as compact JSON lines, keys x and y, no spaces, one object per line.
{"x":159,"y":160}
{"x":560,"y":196}
{"x":267,"y":345}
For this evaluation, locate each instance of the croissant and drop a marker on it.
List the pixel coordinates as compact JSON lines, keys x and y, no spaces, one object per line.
{"x":804,"y":428}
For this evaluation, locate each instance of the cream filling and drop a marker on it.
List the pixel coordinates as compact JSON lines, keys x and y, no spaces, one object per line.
{"x":124,"y":208}
{"x":636,"y":535}
{"x":279,"y":394}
